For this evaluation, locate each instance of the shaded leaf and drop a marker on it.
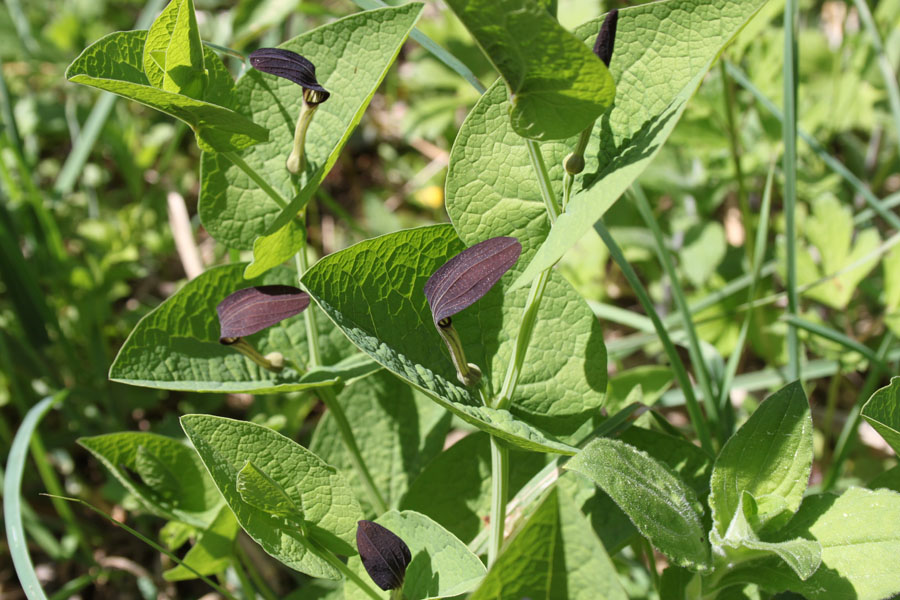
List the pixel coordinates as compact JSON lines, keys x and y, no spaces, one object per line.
{"x":213,"y":551}
{"x":882,"y":411}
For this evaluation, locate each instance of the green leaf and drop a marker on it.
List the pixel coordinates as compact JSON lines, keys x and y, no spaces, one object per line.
{"x":690,"y":463}
{"x":114,"y":63}
{"x":173,"y":53}
{"x":654,"y":381}
{"x":882,"y":411}
{"x":554,"y":555}
{"x":454,"y":489}
{"x":397,"y":430}
{"x":859,"y":533}
{"x":269,"y":251}
{"x":704,"y":248}
{"x":770,"y":456}
{"x":740,"y":543}
{"x":441,"y":565}
{"x":188,"y":494}
{"x":891,"y":264}
{"x":213,"y":551}
{"x":260,"y":491}
{"x":176,"y":346}
{"x":374,"y":292}
{"x":829,"y":230}
{"x":662,"y":507}
{"x":155,"y":473}
{"x":663,"y":51}
{"x":352,"y":56}
{"x":557,"y":86}
{"x":329,"y":507}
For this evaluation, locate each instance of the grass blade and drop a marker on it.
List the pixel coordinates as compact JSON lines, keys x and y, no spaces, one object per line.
{"x":835,"y":336}
{"x":693,"y":408}
{"x":12,"y":500}
{"x":834,"y":164}
{"x":789,"y":166}
{"x":665,"y":259}
{"x":887,"y":70}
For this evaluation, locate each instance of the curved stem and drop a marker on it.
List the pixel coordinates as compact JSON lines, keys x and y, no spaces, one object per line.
{"x":297,"y":160}
{"x":543,"y":176}
{"x":329,"y":398}
{"x":499,"y":496}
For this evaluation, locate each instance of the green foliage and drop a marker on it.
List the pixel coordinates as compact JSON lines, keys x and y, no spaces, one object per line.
{"x":330,"y":510}
{"x":173,"y":54}
{"x":554,"y":555}
{"x":352,"y":56}
{"x":212,"y":552}
{"x":397,"y":331}
{"x":114,"y":63}
{"x":652,"y":90}
{"x":770,"y":457}
{"x":441,"y":566}
{"x":660,"y":505}
{"x":177,"y":346}
{"x":171,"y":482}
{"x":556,"y":85}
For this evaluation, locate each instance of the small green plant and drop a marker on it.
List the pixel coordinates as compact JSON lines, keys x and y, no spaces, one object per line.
{"x":470,"y":319}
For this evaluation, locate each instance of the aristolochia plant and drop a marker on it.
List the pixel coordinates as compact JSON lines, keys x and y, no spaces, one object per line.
{"x":467,"y":320}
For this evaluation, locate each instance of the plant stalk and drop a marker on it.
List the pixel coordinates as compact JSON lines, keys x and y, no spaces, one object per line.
{"x":338,"y":564}
{"x":329,"y":398}
{"x":499,"y":497}
{"x":789,"y":133}
{"x":297,"y":160}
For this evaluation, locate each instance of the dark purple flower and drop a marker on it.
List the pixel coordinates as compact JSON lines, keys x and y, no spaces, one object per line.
{"x":292,"y":66}
{"x":603,"y":47}
{"x":384,"y":555}
{"x":468,"y":276}
{"x":253,"y":309}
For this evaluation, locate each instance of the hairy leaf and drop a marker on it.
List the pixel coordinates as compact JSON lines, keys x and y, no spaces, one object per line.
{"x":329,"y":507}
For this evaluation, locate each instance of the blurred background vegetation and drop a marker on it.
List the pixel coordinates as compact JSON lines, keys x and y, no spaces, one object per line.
{"x":98,"y":225}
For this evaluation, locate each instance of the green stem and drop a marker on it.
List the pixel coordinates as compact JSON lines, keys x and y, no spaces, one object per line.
{"x":684,"y":381}
{"x":499,"y":497}
{"x":665,"y":259}
{"x":240,"y":163}
{"x":789,"y":133}
{"x":523,"y":338}
{"x":296,"y":161}
{"x":338,"y":564}
{"x":543,"y":176}
{"x":359,"y":465}
{"x":329,"y":398}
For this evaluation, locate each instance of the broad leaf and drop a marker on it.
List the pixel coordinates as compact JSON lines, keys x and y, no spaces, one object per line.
{"x":770,"y":456}
{"x":352,"y":56}
{"x":859,"y":533}
{"x":441,"y":565}
{"x":554,"y":555}
{"x":397,"y":430}
{"x":374,"y":292}
{"x":189,"y":494}
{"x":741,"y":543}
{"x":662,"y":507}
{"x":557,"y":86}
{"x":663,"y":51}
{"x":114,"y":63}
{"x":882,"y":411}
{"x":329,"y":508}
{"x":454,"y":489}
{"x":260,"y":491}
{"x":177,"y":347}
{"x":173,"y":53}
{"x":213,"y":551}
